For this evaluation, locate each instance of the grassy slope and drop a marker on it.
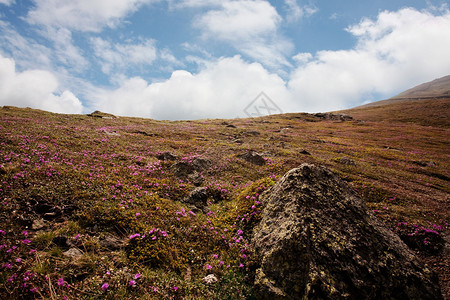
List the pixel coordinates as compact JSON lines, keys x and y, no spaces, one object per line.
{"x":103,"y":177}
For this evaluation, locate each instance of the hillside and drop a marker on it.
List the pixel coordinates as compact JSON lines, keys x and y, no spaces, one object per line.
{"x":99,"y":206}
{"x":427,"y":104}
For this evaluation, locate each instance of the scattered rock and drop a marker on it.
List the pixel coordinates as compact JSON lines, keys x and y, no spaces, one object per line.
{"x":198,"y":197}
{"x":145,"y":133}
{"x":111,"y":133}
{"x":183,"y":169}
{"x":303,"y":151}
{"x":62,"y":242}
{"x":253,"y":157}
{"x":167,"y":156}
{"x":201,"y":163}
{"x":102,"y":115}
{"x":111,"y":242}
{"x":252,"y":132}
{"x":333,"y":117}
{"x":285,"y":130}
{"x":210,"y":279}
{"x":317,"y":240}
{"x":73,"y":253}
{"x":196,"y":178}
{"x":346,"y":161}
{"x":38,"y":224}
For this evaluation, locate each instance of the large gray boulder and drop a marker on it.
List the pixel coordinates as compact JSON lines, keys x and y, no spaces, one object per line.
{"x":317,"y":240}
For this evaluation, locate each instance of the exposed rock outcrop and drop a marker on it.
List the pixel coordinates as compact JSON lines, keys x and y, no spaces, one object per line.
{"x":253,"y":157}
{"x":317,"y":240}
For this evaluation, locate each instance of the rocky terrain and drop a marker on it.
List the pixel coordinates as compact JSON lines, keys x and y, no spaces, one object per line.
{"x":343,"y":205}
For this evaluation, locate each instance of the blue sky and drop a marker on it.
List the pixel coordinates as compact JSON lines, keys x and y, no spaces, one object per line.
{"x":194,"y":59}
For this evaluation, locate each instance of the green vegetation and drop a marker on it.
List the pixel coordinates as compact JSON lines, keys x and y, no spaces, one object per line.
{"x":89,"y":211}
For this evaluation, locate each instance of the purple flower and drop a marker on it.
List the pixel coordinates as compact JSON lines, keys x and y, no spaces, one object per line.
{"x":208,"y":267}
{"x":132,"y":283}
{"x":2,"y":232}
{"x":135,"y":236}
{"x":34,"y":290}
{"x":105,"y":286}
{"x":61,"y":281}
{"x":175,"y":288}
{"x":137,"y":276}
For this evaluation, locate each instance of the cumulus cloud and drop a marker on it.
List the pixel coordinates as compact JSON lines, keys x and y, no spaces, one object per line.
{"x":221,"y":90}
{"x":295,"y":12}
{"x":34,"y":88}
{"x":117,"y":56}
{"x":251,"y":27}
{"x":7,"y":2}
{"x":394,"y":52}
{"x":82,"y":15}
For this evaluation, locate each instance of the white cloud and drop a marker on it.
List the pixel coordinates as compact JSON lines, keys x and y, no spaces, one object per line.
{"x":82,"y":15}
{"x":221,"y":90}
{"x":115,"y":57}
{"x":34,"y":88}
{"x":394,"y":52}
{"x":28,"y":52}
{"x":295,"y":12}
{"x":177,"y":4}
{"x":7,"y":2}
{"x":249,"y":26}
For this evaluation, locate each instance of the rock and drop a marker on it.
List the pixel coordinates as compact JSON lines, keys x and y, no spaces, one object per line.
{"x":62,"y":241}
{"x":210,"y":279}
{"x":346,"y":161}
{"x":198,"y":197}
{"x":111,"y":242}
{"x":252,"y":132}
{"x":167,"y":156}
{"x":303,"y":151}
{"x":201,"y":163}
{"x":38,"y":224}
{"x":253,"y":157}
{"x":285,"y":130}
{"x":182,"y":169}
{"x":333,"y":117}
{"x":317,"y":240}
{"x":231,"y":126}
{"x":196,"y":178}
{"x":73,"y":253}
{"x":102,"y":115}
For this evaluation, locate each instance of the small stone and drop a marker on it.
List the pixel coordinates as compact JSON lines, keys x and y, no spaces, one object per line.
{"x":167,"y":156}
{"x":253,"y":157}
{"x":210,"y":279}
{"x":303,"y":151}
{"x":38,"y":224}
{"x":73,"y":253}
{"x":198,"y":197}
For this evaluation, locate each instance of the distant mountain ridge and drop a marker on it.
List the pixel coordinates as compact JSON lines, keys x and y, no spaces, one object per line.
{"x":438,"y":88}
{"x":426,"y":104}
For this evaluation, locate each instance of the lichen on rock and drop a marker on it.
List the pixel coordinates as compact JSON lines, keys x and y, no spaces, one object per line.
{"x":317,"y":240}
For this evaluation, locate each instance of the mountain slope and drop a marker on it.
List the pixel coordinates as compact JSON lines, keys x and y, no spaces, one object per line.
{"x":427,"y":104}
{"x":94,"y":207}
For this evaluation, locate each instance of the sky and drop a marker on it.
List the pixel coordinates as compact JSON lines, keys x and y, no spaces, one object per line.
{"x":198,"y":59}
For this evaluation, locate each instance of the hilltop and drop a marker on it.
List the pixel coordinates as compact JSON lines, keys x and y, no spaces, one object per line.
{"x":101,"y":206}
{"x":425,"y":104}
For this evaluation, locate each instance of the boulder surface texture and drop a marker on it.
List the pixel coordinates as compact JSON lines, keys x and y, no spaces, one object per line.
{"x":317,"y":240}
